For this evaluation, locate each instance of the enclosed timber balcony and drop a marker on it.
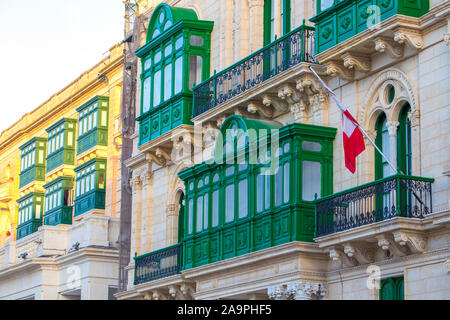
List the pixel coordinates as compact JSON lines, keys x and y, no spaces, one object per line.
{"x":157,"y":265}
{"x":396,"y":196}
{"x":255,"y":70}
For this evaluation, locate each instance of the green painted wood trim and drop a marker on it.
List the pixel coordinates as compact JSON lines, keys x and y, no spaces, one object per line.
{"x":91,"y":101}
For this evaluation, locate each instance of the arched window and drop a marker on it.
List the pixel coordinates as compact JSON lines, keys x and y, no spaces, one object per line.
{"x":174,"y":59}
{"x":382,"y":167}
{"x":404,"y":147}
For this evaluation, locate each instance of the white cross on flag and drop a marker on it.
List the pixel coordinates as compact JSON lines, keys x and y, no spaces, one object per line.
{"x":353,"y":137}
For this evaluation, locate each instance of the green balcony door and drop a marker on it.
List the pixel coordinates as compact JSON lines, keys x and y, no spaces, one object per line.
{"x":392,"y":289}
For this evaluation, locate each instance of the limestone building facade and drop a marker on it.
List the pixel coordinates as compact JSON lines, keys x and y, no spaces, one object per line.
{"x":60,"y":192}
{"x":213,"y":76}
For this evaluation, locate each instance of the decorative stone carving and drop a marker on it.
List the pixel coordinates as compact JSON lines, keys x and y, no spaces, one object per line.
{"x":362,"y":254}
{"x":135,"y":182}
{"x":388,"y":245}
{"x":173,"y":210}
{"x":306,"y":290}
{"x":394,"y":50}
{"x":411,"y":38}
{"x":264,"y":111}
{"x":336,"y":69}
{"x":277,"y":292}
{"x":447,"y":40}
{"x":160,"y":161}
{"x":279,"y":105}
{"x":336,"y":254}
{"x":176,"y":293}
{"x":357,"y":62}
{"x":415,"y":242}
{"x":392,"y":128}
{"x":187,"y":290}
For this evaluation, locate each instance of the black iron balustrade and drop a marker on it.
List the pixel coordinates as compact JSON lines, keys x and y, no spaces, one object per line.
{"x":282,"y":54}
{"x":396,"y":196}
{"x":157,"y":265}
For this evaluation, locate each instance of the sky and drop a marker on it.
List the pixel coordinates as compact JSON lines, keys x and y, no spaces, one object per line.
{"x":47,"y":44}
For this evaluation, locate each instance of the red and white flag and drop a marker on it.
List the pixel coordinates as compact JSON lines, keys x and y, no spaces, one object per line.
{"x":353,"y":137}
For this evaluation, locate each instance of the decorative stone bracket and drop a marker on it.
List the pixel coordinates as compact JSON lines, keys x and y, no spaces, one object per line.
{"x":357,"y":62}
{"x":383,"y":44}
{"x":412,"y":38}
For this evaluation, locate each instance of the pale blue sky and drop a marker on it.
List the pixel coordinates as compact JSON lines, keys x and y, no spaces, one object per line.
{"x":46,"y":44}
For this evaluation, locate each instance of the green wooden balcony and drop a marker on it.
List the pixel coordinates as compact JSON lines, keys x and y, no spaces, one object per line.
{"x":396,"y":196}
{"x":61,"y":144}
{"x":339,"y":20}
{"x":93,"y":124}
{"x":58,"y":216}
{"x":28,"y":228}
{"x":32,"y":165}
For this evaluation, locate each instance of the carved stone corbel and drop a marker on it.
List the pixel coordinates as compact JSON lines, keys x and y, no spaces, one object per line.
{"x":336,"y":254}
{"x":263,"y":111}
{"x":388,"y":245}
{"x":411,"y":38}
{"x":415,"y":242}
{"x":289,"y":94}
{"x":336,"y":69}
{"x":158,"y":295}
{"x":361,"y":254}
{"x":357,"y":62}
{"x":160,"y":161}
{"x":279,"y":105}
{"x":383,"y":44}
{"x":188,"y":291}
{"x":307,"y":86}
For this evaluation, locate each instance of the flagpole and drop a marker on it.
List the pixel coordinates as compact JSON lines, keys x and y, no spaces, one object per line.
{"x":357,"y":124}
{"x":365,"y":134}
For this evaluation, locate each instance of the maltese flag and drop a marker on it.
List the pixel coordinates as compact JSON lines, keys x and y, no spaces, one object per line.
{"x":353,"y":137}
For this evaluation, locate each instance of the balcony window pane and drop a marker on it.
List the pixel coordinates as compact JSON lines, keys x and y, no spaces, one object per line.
{"x":158,"y":57}
{"x":278,"y":186}
{"x":311,"y":146}
{"x":157,"y":88}
{"x":243,"y":199}
{"x":168,"y":82}
{"x":196,"y":41}
{"x":215,"y":208}
{"x":311,"y":182}
{"x":259,"y":193}
{"x":286,"y":182}
{"x":325,"y":4}
{"x":229,"y":203}
{"x":95,"y":118}
{"x":205,"y":212}
{"x":168,"y":50}
{"x":191,"y":216}
{"x":199,"y":214}
{"x":267,"y":192}
{"x":195,"y":71}
{"x":179,"y":43}
{"x":146,"y":95}
{"x":178,"y":75}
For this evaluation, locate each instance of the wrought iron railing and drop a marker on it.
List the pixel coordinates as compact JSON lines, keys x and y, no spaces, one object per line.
{"x":396,"y":196}
{"x":279,"y":56}
{"x":157,"y":265}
